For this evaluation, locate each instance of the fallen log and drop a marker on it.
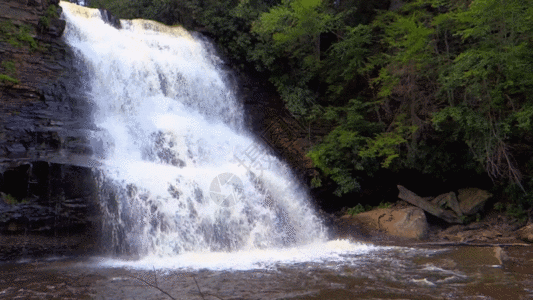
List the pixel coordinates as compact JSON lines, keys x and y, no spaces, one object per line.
{"x":427,"y":206}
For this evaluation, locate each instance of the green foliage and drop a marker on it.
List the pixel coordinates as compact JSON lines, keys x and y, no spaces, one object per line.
{"x":9,"y":66}
{"x":359,"y":208}
{"x":521,"y":200}
{"x":17,"y":36}
{"x":347,"y":58}
{"x":386,"y":144}
{"x":495,"y":76}
{"x":499,"y":206}
{"x":316,"y":182}
{"x":356,"y":210}
{"x":292,"y":35}
{"x":524,"y":118}
{"x":49,"y":14}
{"x":10,"y":69}
{"x":7,"y":28}
{"x":474,"y":129}
{"x":9,"y":199}
{"x":516,"y":211}
{"x":338,"y":155}
{"x":384,"y":205}
{"x":295,"y":27}
{"x":334,"y":155}
{"x":8,"y":79}
{"x":409,"y":35}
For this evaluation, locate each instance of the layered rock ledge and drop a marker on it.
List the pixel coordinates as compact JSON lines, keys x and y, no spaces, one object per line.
{"x":47,"y":186}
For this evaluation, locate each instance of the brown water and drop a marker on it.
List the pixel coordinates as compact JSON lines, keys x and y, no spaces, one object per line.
{"x":398,"y":273}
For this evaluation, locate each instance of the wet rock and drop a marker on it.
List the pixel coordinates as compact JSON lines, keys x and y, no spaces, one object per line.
{"x":34,"y":2}
{"x":472,"y":200}
{"x":16,"y":149}
{"x":500,"y":255}
{"x":448,"y":200}
{"x":46,"y":117}
{"x":57,"y":27}
{"x":346,"y":227}
{"x":46,"y":197}
{"x":110,"y":19}
{"x":407,"y":222}
{"x":526,"y":233}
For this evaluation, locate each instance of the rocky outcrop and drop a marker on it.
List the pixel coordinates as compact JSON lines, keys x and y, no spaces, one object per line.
{"x":409,"y":222}
{"x":449,"y":200}
{"x":110,"y":19}
{"x":266,"y":115}
{"x":433,"y":208}
{"x":472,"y":200}
{"x":58,"y":198}
{"x":526,"y":233}
{"x":46,"y":178}
{"x":447,"y":206}
{"x":44,"y":117}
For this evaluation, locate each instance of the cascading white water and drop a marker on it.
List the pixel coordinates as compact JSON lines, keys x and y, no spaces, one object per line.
{"x":170,"y":130}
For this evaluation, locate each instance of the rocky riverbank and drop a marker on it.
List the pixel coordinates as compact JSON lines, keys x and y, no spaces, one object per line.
{"x":403,"y":224}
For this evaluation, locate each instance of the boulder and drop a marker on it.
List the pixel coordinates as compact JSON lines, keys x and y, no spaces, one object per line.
{"x":526,"y":233}
{"x":57,"y":27}
{"x":448,"y":200}
{"x":407,"y":222}
{"x":500,"y":255}
{"x":472,"y":200}
{"x":108,"y":18}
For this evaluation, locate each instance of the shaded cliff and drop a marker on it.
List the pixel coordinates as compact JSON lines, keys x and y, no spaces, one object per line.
{"x":46,"y":181}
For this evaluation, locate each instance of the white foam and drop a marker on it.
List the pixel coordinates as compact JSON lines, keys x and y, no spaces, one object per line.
{"x":249,"y":259}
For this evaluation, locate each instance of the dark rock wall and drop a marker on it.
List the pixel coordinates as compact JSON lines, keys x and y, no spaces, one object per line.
{"x":47,"y":185}
{"x":44,"y":116}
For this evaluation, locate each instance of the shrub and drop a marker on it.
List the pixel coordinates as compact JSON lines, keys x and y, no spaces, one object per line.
{"x":8,"y":79}
{"x":51,"y":13}
{"x":17,"y":36}
{"x":10,"y":199}
{"x":356,"y":209}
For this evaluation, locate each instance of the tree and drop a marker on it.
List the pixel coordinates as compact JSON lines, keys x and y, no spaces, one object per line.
{"x":495,"y":77}
{"x":292,"y":53}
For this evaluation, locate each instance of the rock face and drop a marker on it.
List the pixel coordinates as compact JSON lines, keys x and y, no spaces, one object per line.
{"x":407,"y":222}
{"x":266,"y":115}
{"x":450,"y":200}
{"x":526,"y":233}
{"x":46,"y":178}
{"x":110,"y":19}
{"x":44,"y":117}
{"x":472,"y":200}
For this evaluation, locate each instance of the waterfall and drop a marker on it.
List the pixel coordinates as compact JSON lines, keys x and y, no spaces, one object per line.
{"x":172,"y":146}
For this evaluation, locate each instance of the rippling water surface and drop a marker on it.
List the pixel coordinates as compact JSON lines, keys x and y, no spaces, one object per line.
{"x":373,"y":273}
